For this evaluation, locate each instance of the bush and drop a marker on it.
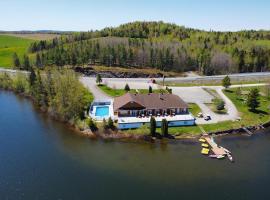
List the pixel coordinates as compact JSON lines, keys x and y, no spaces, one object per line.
{"x":127,"y":88}
{"x":220,"y":105}
{"x":226,"y":82}
{"x":91,"y":124}
{"x":110,"y":123}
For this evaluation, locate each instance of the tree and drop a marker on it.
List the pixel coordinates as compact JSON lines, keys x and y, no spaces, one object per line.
{"x":253,"y":99}
{"x":92,"y":125}
{"x":98,"y":79}
{"x":226,"y":82}
{"x":127,"y":88}
{"x":153,"y":126}
{"x":164,"y":127}
{"x":26,"y":63}
{"x":32,"y":76}
{"x":150,"y":90}
{"x":220,"y":105}
{"x":16,"y":61}
{"x":38,"y":61}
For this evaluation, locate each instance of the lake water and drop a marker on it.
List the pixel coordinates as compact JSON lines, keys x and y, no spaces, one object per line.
{"x":42,"y":159}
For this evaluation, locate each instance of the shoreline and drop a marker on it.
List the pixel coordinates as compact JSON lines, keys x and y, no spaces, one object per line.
{"x":120,"y":135}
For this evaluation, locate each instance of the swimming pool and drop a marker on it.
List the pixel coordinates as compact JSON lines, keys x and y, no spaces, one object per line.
{"x":102,"y":111}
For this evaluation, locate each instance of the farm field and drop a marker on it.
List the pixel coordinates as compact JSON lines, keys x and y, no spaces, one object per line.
{"x":10,"y":45}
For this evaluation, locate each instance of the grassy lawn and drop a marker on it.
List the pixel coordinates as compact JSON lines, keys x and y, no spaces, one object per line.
{"x":10,"y":45}
{"x":194,"y":109}
{"x":248,"y":117}
{"x":215,"y":101}
{"x":119,"y":92}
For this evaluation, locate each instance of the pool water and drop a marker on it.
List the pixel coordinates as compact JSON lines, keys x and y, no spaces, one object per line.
{"x":102,"y":111}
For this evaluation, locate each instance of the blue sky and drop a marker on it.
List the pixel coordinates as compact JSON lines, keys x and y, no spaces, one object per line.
{"x":82,"y":15}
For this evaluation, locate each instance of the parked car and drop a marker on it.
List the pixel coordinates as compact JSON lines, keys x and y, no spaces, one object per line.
{"x":207,"y":117}
{"x":200,"y":115}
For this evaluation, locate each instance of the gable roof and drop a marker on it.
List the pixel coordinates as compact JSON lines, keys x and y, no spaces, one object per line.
{"x":148,"y":101}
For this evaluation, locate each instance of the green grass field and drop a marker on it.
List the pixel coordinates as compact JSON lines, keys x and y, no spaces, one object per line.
{"x":119,"y":92}
{"x":9,"y":45}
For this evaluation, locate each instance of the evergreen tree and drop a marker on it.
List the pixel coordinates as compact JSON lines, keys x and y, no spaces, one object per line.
{"x":98,"y":79}
{"x":164,"y":127}
{"x":26,"y":63}
{"x":38,"y":61}
{"x":150,"y":90}
{"x":110,"y":123}
{"x":92,"y":125}
{"x":32,"y":77}
{"x":16,"y":61}
{"x":253,"y":99}
{"x":153,"y":126}
{"x":226,"y":82}
{"x":127,"y":88}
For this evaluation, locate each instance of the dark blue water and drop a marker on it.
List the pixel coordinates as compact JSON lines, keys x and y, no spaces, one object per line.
{"x":42,"y":159}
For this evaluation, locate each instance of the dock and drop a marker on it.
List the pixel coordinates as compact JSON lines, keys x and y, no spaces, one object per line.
{"x":217,"y":150}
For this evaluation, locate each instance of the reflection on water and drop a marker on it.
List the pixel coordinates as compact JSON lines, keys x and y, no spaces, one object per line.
{"x":42,"y":159}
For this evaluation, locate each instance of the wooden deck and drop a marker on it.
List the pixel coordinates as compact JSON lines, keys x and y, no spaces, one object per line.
{"x":214,"y":147}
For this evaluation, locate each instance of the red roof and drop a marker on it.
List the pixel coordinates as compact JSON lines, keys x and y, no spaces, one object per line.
{"x":150,"y":101}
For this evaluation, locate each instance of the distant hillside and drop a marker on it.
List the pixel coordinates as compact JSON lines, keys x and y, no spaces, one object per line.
{"x":164,"y":46}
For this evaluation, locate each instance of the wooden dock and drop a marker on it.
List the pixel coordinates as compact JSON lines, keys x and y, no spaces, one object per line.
{"x":217,"y":150}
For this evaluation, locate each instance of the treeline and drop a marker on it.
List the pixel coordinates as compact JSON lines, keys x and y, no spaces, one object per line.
{"x":58,"y":92}
{"x":160,"y":45}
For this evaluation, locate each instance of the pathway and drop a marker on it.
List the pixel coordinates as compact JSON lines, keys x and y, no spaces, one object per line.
{"x":91,"y":85}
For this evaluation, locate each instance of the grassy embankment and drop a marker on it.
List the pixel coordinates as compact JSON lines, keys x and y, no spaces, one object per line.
{"x":248,"y":118}
{"x":10,"y":45}
{"x":119,"y":92}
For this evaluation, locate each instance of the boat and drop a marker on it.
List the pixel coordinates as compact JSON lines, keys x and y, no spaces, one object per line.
{"x":230,"y":157}
{"x":212,"y":156}
{"x":220,"y":156}
{"x":205,"y":151}
{"x":202,"y":140}
{"x":205,"y":145}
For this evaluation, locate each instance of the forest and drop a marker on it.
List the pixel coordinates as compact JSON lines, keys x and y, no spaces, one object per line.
{"x":160,"y":45}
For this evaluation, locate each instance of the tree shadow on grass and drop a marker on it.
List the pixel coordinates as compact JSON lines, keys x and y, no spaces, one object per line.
{"x":261,"y":112}
{"x":229,"y":91}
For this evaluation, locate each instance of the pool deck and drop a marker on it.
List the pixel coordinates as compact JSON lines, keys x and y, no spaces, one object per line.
{"x":101,"y":103}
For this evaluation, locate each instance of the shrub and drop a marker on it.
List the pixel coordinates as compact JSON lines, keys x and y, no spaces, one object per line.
{"x":164,"y":127}
{"x":226,"y":82}
{"x":127,"y":88}
{"x":220,"y":105}
{"x":91,"y":124}
{"x":153,"y":126}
